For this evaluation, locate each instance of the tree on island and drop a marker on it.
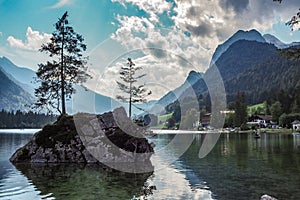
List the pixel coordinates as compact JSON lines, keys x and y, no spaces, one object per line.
{"x":66,"y":68}
{"x":135,"y":93}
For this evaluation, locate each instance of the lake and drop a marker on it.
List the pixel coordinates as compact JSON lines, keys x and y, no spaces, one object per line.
{"x":239,"y":167}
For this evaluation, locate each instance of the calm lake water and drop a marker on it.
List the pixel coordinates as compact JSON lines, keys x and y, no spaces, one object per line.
{"x":239,"y":167}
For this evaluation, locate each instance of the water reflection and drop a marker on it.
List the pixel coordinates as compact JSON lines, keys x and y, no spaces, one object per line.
{"x":67,"y":181}
{"x":239,"y":167}
{"x":243,"y":167}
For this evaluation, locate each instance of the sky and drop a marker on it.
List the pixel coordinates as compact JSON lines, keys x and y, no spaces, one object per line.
{"x":168,"y":38}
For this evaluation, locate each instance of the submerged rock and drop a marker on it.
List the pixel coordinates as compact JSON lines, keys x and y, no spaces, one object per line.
{"x":267,"y":197}
{"x":82,"y":181}
{"x":86,"y":138}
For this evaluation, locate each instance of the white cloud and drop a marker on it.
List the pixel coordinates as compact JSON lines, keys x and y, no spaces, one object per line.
{"x":140,"y":33}
{"x":0,"y":34}
{"x":152,"y":7}
{"x":33,"y":41}
{"x":62,"y":3}
{"x":167,"y":55}
{"x":160,"y":78}
{"x":208,"y":24}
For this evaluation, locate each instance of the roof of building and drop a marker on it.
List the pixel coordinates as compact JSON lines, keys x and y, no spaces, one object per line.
{"x":261,"y":117}
{"x":296,"y":122}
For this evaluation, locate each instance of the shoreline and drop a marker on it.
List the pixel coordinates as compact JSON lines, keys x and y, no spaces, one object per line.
{"x":20,"y":130}
{"x":268,"y":131}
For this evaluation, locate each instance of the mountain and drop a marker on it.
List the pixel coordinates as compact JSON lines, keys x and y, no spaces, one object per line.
{"x":83,"y":101}
{"x":266,"y":78}
{"x":238,"y":58}
{"x":274,"y":40}
{"x":172,"y":96}
{"x":254,"y":67}
{"x":251,"y":35}
{"x":257,"y":69}
{"x":279,"y":44}
{"x":21,"y":76}
{"x":242,"y":55}
{"x":12,"y":96}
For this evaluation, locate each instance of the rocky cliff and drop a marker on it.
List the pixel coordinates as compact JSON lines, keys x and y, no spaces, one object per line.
{"x":110,"y":138}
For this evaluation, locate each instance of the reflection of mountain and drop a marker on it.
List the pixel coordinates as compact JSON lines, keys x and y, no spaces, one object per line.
{"x":83,"y":182}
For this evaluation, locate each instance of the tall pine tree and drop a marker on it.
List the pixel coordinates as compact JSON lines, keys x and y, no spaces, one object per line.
{"x":240,"y":115}
{"x":135,"y":93}
{"x":66,"y":67}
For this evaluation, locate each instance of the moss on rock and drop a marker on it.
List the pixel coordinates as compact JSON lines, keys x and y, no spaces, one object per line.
{"x":63,"y":130}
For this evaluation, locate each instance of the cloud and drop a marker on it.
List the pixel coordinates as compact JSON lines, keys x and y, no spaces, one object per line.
{"x":33,"y":41}
{"x":0,"y":34}
{"x":160,"y":78}
{"x":238,"y":6}
{"x":203,"y":29}
{"x":153,"y":7}
{"x":62,"y":3}
{"x":197,"y":28}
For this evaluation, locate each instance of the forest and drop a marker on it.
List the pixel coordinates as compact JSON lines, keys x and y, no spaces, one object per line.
{"x":22,"y":120}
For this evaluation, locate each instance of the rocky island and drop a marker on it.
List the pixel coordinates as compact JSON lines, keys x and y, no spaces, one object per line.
{"x":110,"y":138}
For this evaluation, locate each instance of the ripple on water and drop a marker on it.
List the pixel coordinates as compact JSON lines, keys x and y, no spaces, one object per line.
{"x":16,"y":186}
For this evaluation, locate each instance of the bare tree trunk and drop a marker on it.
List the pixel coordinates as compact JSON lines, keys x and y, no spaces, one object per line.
{"x":63,"y":105}
{"x":130,"y":90}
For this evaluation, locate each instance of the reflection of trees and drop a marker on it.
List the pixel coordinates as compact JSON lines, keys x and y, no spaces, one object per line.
{"x":68,"y":181}
{"x":245,"y":167}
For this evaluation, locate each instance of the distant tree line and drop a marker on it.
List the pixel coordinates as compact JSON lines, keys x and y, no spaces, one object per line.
{"x":19,"y":119}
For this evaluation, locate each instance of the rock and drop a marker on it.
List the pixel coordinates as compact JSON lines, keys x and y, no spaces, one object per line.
{"x":267,"y":197}
{"x":94,"y":139}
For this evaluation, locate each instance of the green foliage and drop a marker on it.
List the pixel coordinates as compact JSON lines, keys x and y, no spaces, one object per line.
{"x":164,"y":118}
{"x":189,"y":119}
{"x":63,"y":130}
{"x":240,"y":115}
{"x":136,"y":93}
{"x":285,"y":120}
{"x":177,"y":113}
{"x":171,"y":122}
{"x":267,"y":78}
{"x":21,"y":119}
{"x":257,"y":109}
{"x":66,"y":68}
{"x":276,"y":111}
{"x":229,"y":120}
{"x":242,"y":56}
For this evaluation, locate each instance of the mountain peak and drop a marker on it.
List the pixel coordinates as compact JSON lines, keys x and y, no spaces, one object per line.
{"x":4,"y":59}
{"x":251,"y":35}
{"x":278,"y":43}
{"x":194,"y":76}
{"x":252,"y":31}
